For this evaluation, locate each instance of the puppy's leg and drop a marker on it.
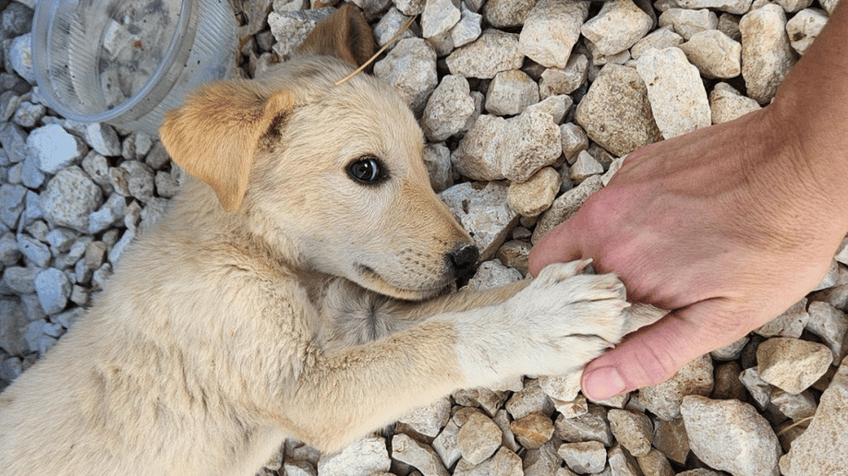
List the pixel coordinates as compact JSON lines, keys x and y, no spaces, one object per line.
{"x":470,"y":299}
{"x":354,"y":316}
{"x":553,"y":326}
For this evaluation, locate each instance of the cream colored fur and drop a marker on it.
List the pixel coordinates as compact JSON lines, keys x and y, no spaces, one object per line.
{"x":313,"y":308}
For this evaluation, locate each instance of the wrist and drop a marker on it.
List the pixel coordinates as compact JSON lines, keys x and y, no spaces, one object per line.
{"x":810,"y":166}
{"x":811,"y":106}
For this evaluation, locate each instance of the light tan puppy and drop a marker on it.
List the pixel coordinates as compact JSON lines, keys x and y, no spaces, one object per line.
{"x":295,"y":289}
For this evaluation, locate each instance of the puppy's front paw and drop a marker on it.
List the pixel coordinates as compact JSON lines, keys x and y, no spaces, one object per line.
{"x":566,"y":319}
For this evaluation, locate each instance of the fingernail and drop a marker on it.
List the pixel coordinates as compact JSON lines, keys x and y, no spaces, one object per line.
{"x":603,"y":383}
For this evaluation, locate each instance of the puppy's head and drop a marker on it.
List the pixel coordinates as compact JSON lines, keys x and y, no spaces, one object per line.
{"x":332,"y":176}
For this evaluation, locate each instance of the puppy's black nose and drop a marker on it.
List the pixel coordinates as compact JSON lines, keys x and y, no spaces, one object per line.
{"x":463,"y":259}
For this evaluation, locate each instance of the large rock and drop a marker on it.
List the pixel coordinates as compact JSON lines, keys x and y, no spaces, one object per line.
{"x":584,"y":457}
{"x":804,"y":28}
{"x":411,"y":68}
{"x":727,"y":104}
{"x":478,"y":438}
{"x":829,"y":5}
{"x":530,"y":399}
{"x":727,"y":384}
{"x":670,"y":438}
{"x":618,"y":26}
{"x":655,"y":464}
{"x":565,"y":80}
{"x":766,"y":52}
{"x":561,"y":387}
{"x":616,"y":112}
{"x":103,"y":139}
{"x":429,"y":419}
{"x":821,"y":449}
{"x":52,"y":148}
{"x":504,"y":463}
{"x":543,"y":461}
{"x":445,"y":444}
{"x":792,"y":364}
{"x":622,"y":463}
{"x":676,"y":91}
{"x":731,"y":436}
{"x":422,"y":457}
{"x":514,"y":254}
{"x":533,"y":430}
{"x":688,"y":22}
{"x":535,"y":195}
{"x":510,"y":92}
{"x":467,"y":29}
{"x":584,"y":167}
{"x":484,"y":213}
{"x":9,"y":252}
{"x":831,"y":325}
{"x":715,"y":54}
{"x":480,"y":152}
{"x":536,"y":143}
{"x":664,"y":399}
{"x":439,"y":16}
{"x":574,"y":141}
{"x":363,"y":457}
{"x":660,"y":39}
{"x":551,"y":31}
{"x":759,"y":389}
{"x":515,"y":149}
{"x":507,"y":13}
{"x":632,"y":430}
{"x":291,"y":28}
{"x":70,"y":198}
{"x":796,"y":406}
{"x":16,"y":19}
{"x":493,"y":274}
{"x":493,"y":52}
{"x":53,"y":289}
{"x":20,"y":57}
{"x":448,"y":109}
{"x":11,"y":204}
{"x":591,"y":426}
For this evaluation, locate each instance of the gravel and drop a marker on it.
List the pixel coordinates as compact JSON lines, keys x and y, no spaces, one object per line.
{"x":528,"y":107}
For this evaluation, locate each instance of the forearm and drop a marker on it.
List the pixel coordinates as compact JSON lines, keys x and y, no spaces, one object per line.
{"x":812,"y":103}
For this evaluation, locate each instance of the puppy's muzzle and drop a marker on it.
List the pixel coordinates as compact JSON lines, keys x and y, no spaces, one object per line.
{"x":462,"y":260}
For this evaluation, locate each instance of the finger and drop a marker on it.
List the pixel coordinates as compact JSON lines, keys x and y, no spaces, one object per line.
{"x":655,"y":353}
{"x":558,"y":245}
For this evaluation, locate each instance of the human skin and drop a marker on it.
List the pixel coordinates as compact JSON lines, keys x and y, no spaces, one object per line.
{"x":726,"y":226}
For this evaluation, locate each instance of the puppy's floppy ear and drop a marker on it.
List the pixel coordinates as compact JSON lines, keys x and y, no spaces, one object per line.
{"x":344,"y":34}
{"x":214,"y":135}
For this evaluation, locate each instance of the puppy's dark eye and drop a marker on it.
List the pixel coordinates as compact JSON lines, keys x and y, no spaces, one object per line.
{"x":366,"y":170}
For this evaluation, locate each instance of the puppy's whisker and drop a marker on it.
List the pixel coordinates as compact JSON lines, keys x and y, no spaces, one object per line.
{"x":379,"y":52}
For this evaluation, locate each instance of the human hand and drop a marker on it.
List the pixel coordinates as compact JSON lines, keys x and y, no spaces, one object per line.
{"x":726,"y":227}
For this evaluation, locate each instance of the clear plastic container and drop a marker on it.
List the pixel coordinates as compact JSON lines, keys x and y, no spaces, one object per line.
{"x":127,"y":62}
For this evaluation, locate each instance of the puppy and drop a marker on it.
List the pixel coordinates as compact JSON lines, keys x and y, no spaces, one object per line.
{"x":295,"y":288}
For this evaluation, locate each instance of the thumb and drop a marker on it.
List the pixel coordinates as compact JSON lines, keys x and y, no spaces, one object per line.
{"x":655,"y":353}
{"x":557,"y":245}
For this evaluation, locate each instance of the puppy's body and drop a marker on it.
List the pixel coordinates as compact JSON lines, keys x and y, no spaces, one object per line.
{"x":296,"y":313}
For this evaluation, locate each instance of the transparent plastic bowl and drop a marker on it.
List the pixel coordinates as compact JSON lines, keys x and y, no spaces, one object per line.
{"x":127,"y":62}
